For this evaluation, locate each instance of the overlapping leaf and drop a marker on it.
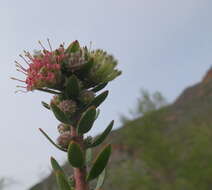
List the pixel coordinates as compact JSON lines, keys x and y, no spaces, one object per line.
{"x":59,"y":114}
{"x":87,"y":120}
{"x":99,"y":139}
{"x":100,"y":163}
{"x":75,"y":155}
{"x":99,"y":99}
{"x":72,"y":88}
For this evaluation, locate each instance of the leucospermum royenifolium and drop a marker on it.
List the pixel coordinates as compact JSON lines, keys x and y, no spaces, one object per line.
{"x":75,"y":76}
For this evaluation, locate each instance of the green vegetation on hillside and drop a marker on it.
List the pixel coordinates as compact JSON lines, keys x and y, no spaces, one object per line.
{"x":169,"y":148}
{"x":163,"y":157}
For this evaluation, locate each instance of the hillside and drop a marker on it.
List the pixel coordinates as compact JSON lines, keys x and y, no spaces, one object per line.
{"x":166,"y":149}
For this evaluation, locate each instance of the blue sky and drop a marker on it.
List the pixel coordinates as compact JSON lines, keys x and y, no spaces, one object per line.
{"x":161,"y":45}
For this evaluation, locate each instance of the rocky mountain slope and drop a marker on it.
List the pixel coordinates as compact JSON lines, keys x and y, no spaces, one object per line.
{"x":169,"y":148}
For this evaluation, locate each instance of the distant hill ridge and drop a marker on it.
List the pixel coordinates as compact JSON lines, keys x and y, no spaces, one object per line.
{"x":169,"y":148}
{"x":208,"y":76}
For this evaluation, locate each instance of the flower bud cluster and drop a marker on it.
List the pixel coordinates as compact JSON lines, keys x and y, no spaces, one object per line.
{"x":67,"y":106}
{"x":44,"y":69}
{"x":62,"y":128}
{"x":104,"y":67}
{"x":64,"y":139}
{"x":49,"y":69}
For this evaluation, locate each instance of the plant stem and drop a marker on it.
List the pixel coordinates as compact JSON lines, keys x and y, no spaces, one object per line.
{"x":79,"y":173}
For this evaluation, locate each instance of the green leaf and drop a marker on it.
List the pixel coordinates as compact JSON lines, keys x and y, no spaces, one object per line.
{"x":99,"y":99}
{"x":73,"y":47}
{"x":99,"y":139}
{"x":97,"y":114}
{"x":75,"y":155}
{"x":71,"y":182}
{"x":89,"y":155}
{"x":101,"y":180}
{"x":62,"y":181}
{"x":86,"y":68}
{"x":86,"y":121}
{"x":56,"y":167}
{"x":48,"y":90}
{"x":59,"y":114}
{"x":99,"y":87}
{"x":72,"y":87}
{"x":100,"y":163}
{"x":51,"y":141}
{"x":47,"y":106}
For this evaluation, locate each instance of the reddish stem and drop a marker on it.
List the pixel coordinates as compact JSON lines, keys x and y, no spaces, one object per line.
{"x":79,"y":173}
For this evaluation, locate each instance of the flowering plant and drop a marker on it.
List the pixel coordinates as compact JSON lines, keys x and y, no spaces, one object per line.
{"x":74,"y":75}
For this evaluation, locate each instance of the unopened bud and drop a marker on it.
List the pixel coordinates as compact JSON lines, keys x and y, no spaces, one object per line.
{"x":64,"y":139}
{"x":68,"y":106}
{"x":62,"y":128}
{"x":55,"y":100}
{"x":104,"y":69}
{"x":87,"y":96}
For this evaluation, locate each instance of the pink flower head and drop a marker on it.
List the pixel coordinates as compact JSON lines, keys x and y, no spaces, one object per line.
{"x":44,"y":68}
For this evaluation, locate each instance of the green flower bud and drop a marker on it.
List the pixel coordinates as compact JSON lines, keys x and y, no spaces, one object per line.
{"x":76,"y":56}
{"x":87,"y":96}
{"x":73,"y":47}
{"x":104,"y":67}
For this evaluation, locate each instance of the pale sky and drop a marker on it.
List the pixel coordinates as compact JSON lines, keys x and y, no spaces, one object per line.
{"x":163,"y":45}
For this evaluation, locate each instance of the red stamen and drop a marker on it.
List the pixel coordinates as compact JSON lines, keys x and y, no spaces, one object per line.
{"x":24,"y":59}
{"x":27,"y":54}
{"x":49,"y":44}
{"x":20,"y":66}
{"x":41,"y":45}
{"x":21,"y":71}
